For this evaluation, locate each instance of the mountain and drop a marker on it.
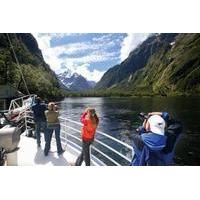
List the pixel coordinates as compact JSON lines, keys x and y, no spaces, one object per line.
{"x":92,"y":84}
{"x":74,"y":81}
{"x":164,"y":64}
{"x":40,"y":79}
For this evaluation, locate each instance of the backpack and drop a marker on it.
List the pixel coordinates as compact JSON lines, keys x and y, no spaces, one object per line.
{"x":174,"y":129}
{"x":2,"y":156}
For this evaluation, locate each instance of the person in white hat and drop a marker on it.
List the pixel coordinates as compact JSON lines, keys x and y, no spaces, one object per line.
{"x":155,"y":124}
{"x":152,"y":140}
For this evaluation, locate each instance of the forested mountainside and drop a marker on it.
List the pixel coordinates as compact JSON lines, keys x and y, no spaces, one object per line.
{"x":164,"y":64}
{"x":40,"y":79}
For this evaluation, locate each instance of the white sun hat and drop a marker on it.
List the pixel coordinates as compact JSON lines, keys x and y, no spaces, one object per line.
{"x":157,"y":124}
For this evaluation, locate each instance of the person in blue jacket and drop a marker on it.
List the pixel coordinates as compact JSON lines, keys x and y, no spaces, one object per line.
{"x":150,"y":141}
{"x":40,"y":119}
{"x":173,"y":132}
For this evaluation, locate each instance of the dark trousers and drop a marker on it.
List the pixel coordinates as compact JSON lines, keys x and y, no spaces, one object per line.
{"x":49,"y":133}
{"x":39,"y":126}
{"x":85,"y":154}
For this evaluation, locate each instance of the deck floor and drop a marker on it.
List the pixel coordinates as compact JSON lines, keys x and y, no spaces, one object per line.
{"x":29,"y":154}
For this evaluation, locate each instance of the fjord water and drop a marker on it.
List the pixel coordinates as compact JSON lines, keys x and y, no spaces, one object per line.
{"x":119,"y":118}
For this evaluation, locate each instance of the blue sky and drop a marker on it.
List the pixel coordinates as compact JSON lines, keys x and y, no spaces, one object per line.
{"x":89,"y":54}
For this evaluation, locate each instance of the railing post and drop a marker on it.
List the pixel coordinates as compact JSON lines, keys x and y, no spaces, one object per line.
{"x":25,"y":115}
{"x":25,"y":118}
{"x":66,"y":132}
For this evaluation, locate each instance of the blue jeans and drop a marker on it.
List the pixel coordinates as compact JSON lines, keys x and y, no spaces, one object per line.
{"x":39,"y":125}
{"x":49,"y":133}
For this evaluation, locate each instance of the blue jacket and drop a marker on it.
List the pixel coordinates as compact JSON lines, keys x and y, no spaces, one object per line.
{"x":148,"y":149}
{"x":38,"y":112}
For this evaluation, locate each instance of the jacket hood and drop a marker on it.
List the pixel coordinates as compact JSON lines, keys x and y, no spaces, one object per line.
{"x":154,"y":141}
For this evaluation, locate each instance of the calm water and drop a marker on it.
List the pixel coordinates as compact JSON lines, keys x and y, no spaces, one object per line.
{"x":119,"y":118}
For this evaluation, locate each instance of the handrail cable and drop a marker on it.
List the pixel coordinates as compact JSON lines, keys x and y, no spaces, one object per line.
{"x":18,"y":65}
{"x":100,"y":132}
{"x":98,"y":141}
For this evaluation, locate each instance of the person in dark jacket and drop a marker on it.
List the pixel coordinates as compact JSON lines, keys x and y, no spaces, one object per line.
{"x":173,"y":132}
{"x":148,"y":144}
{"x":40,"y":119}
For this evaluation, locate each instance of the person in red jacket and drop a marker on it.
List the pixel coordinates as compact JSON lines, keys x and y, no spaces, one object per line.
{"x":90,"y":122}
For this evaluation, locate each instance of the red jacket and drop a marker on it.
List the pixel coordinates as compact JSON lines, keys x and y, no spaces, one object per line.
{"x":88,"y":129}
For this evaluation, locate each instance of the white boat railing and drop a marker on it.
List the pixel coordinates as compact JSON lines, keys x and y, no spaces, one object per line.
{"x":103,"y":147}
{"x":105,"y":150}
{"x":19,"y":108}
{"x":23,"y":102}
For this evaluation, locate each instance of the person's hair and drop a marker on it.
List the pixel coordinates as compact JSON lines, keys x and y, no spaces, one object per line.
{"x":93,"y":116}
{"x":38,"y":100}
{"x":55,"y":107}
{"x":51,"y":106}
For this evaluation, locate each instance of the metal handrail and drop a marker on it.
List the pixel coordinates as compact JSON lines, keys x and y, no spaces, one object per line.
{"x":20,"y":107}
{"x":98,"y":141}
{"x":99,"y":151}
{"x":100,"y":132}
{"x":105,"y":155}
{"x":71,"y":135}
{"x":113,"y":150}
{"x":14,"y":101}
{"x":77,"y":146}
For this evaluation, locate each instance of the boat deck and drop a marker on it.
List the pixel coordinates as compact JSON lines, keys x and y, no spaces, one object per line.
{"x":29,"y":154}
{"x":106,"y":149}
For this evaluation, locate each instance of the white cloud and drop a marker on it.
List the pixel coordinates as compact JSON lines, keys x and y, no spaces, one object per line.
{"x":78,"y":47}
{"x":80,"y":64}
{"x":61,"y":35}
{"x":94,"y":75}
{"x":96,"y":56}
{"x":131,"y":42}
{"x":50,"y":54}
{"x":103,"y":38}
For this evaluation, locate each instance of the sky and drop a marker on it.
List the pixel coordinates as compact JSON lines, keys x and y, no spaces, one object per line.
{"x":88,"y":54}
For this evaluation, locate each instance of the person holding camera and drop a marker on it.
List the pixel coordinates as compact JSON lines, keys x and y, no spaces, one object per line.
{"x":172,"y":132}
{"x":90,"y":122}
{"x":149,"y":142}
{"x":53,"y":124}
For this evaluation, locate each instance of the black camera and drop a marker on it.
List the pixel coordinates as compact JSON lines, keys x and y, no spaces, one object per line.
{"x":143,"y":116}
